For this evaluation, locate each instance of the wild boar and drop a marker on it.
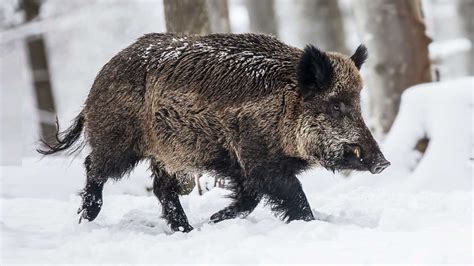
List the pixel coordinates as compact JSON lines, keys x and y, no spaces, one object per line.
{"x":245,"y":107}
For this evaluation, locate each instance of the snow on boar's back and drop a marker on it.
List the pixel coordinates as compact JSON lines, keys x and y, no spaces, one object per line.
{"x":245,"y":107}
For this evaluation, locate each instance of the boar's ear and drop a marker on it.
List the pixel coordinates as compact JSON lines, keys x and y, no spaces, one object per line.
{"x":314,"y":71}
{"x":360,"y":56}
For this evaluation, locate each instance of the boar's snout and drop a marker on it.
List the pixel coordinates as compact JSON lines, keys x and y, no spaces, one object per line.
{"x":379,"y":164}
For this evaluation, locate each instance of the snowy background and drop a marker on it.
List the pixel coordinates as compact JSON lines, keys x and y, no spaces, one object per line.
{"x":417,"y":211}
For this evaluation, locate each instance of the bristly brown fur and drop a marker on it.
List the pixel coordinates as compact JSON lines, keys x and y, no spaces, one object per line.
{"x":235,"y":105}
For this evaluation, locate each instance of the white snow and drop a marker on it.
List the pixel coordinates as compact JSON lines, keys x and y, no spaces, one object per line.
{"x":417,"y":211}
{"x":441,"y":50}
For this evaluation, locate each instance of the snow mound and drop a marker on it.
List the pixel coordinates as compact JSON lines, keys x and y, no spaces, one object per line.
{"x":443,"y":113}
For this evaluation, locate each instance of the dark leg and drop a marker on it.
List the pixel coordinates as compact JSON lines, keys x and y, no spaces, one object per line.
{"x":166,"y":189}
{"x":245,"y":197}
{"x":91,"y":195}
{"x":286,"y":198}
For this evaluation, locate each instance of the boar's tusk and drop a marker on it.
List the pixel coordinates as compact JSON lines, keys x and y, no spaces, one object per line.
{"x":357,"y":152}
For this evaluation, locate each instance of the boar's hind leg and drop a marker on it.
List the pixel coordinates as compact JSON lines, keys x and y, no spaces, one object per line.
{"x":101,"y":165}
{"x":166,"y":188}
{"x":286,"y":198}
{"x":91,"y":195}
{"x":245,"y":199}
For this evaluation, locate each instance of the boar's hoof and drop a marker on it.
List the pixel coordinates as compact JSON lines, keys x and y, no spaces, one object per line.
{"x":219,"y":217}
{"x":227,"y":213}
{"x":182,"y":228}
{"x":88,"y":214}
{"x":83,"y":215}
{"x":89,"y":210}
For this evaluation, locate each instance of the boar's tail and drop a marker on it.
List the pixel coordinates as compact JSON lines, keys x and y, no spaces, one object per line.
{"x":63,"y":140}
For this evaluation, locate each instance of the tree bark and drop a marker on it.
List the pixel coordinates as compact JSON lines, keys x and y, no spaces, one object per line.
{"x":262,"y":16}
{"x":319,"y":22}
{"x":218,"y":11}
{"x":394,"y":34}
{"x":38,"y":59}
{"x":466,"y":12}
{"x":187,"y":16}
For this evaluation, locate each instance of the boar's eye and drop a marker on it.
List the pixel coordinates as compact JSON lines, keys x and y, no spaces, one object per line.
{"x":338,"y":109}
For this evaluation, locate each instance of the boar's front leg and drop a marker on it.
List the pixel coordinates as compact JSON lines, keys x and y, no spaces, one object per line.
{"x":166,"y":188}
{"x":287,"y":199}
{"x":244,"y":202}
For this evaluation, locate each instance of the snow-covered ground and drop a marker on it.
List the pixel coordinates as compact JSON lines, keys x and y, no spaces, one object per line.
{"x":366,"y":225}
{"x":418,"y":211}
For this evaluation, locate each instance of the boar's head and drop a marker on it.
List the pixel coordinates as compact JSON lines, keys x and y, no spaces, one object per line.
{"x":331,"y":131}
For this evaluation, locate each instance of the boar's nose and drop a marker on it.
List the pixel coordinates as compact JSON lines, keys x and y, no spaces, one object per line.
{"x":379,"y":166}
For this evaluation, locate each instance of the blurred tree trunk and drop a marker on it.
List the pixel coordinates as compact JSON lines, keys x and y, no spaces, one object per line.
{"x":262,"y":16}
{"x":38,"y":61}
{"x":319,"y":22}
{"x":466,"y":12}
{"x":187,"y":16}
{"x":394,"y":34}
{"x":197,"y":16}
{"x":218,"y":11}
